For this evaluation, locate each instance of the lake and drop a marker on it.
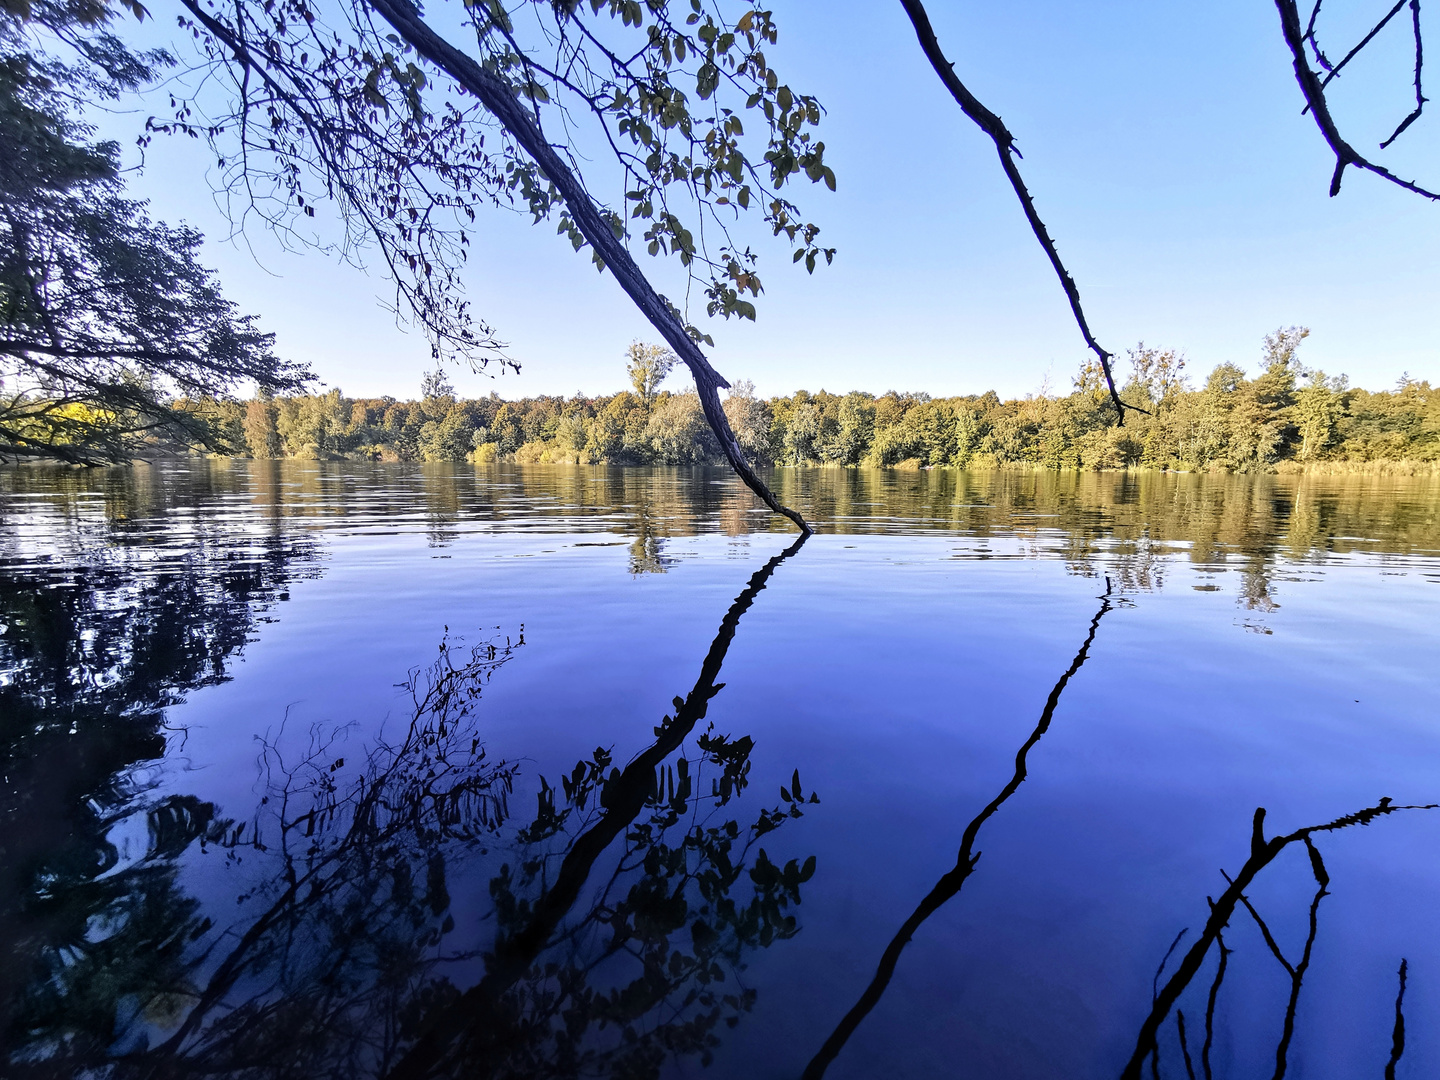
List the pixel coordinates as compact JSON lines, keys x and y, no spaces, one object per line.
{"x":353,"y":770}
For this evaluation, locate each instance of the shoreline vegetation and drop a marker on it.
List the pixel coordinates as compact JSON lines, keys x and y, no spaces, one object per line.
{"x":1286,"y":418}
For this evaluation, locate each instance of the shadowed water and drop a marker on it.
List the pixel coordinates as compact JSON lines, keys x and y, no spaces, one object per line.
{"x":351,"y":770}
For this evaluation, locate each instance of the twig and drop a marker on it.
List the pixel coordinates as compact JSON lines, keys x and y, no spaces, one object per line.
{"x":1210,"y":1004}
{"x":1420,"y":98}
{"x":1313,"y":89}
{"x":1184,"y":1046}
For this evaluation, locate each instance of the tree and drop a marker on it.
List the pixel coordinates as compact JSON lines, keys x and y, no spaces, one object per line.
{"x":329,"y":101}
{"x":648,"y":366}
{"x":448,"y":439}
{"x":436,"y":386}
{"x":750,"y":419}
{"x":1156,"y":373}
{"x":677,"y":432}
{"x":262,"y":438}
{"x":1317,"y":410}
{"x":105,"y":315}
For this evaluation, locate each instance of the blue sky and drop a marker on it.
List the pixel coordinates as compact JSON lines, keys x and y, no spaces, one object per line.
{"x":1163,"y":143}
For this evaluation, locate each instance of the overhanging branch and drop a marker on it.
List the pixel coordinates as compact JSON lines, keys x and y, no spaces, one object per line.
{"x":1312,"y":86}
{"x":501,"y":102}
{"x":992,"y":125}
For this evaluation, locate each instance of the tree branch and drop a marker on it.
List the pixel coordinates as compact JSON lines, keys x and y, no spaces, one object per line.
{"x":1313,"y":89}
{"x":992,"y":125}
{"x":501,"y":102}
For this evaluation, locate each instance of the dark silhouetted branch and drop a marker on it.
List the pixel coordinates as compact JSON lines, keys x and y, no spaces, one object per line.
{"x":1397,"y":1037}
{"x":949,"y":885}
{"x":993,"y":126}
{"x":1262,"y":853}
{"x":1420,"y":98}
{"x":1155,"y":982}
{"x":1297,"y":970}
{"x":1210,"y":1005}
{"x":1184,"y":1045}
{"x":1333,"y":72}
{"x":505,"y":105}
{"x":1313,"y":88}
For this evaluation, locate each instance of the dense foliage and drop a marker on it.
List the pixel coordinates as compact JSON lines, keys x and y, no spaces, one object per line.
{"x":1285,"y":413}
{"x":105,"y":315}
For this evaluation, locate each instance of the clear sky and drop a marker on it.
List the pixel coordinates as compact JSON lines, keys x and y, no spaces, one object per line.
{"x":1164,"y":145}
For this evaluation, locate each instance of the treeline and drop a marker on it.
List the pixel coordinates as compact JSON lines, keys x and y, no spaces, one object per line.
{"x":1285,"y":413}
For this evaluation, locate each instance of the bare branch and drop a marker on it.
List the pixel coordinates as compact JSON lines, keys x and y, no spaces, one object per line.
{"x":992,"y":125}
{"x":1313,"y":88}
{"x":1420,"y":98}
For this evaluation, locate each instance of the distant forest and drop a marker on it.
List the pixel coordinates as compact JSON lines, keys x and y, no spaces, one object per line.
{"x":1283,"y":417}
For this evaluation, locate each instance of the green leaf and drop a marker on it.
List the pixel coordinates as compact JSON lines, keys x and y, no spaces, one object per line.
{"x":707,"y":79}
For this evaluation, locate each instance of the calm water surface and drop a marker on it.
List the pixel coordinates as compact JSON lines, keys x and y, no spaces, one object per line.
{"x":339,"y":770}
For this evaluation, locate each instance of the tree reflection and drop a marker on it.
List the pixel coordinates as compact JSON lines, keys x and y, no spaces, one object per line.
{"x":647,"y":550}
{"x":520,"y":1013}
{"x":90,"y":656}
{"x":618,"y":919}
{"x":952,"y":882}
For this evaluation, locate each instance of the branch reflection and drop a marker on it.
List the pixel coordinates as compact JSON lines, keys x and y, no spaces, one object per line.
{"x":471,"y":1034}
{"x":951,"y":884}
{"x":377,"y":936}
{"x":1263,"y":853}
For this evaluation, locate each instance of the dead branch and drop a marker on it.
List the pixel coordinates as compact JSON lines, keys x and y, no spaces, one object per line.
{"x":1312,"y":86}
{"x":992,"y":125}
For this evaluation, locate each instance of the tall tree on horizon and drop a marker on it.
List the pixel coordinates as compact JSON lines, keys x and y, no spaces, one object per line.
{"x":648,"y":367}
